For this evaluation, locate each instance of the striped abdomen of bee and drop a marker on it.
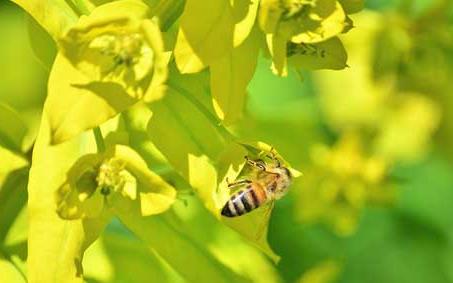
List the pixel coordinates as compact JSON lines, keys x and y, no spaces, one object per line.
{"x":245,"y":200}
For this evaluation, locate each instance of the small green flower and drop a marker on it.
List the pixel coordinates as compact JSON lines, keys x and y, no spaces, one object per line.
{"x":115,"y":181}
{"x":116,"y":43}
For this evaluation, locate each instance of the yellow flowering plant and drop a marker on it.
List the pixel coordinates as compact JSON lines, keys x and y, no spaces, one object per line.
{"x":142,"y":102}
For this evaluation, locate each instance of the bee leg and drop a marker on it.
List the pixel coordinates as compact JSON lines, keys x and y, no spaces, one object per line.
{"x":259,"y":164}
{"x":237,"y":183}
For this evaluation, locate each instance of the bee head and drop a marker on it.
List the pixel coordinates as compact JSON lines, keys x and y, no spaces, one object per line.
{"x":282,"y":182}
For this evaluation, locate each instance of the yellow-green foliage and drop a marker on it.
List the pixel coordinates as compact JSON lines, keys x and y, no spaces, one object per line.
{"x":116,"y":168}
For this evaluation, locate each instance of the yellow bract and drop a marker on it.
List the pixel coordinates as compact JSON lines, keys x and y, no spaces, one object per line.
{"x":329,"y":54}
{"x":55,"y":246}
{"x":210,"y":29}
{"x":306,"y":21}
{"x":230,"y":76}
{"x":325,"y":20}
{"x":115,"y":43}
{"x":9,"y":272}
{"x":117,"y":180}
{"x":292,"y":23}
{"x":56,"y":17}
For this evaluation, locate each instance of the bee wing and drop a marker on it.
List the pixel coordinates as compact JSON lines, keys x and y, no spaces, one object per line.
{"x":265,"y":220}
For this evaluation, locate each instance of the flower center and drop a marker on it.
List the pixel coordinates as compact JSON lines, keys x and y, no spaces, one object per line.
{"x":111,"y":177}
{"x":119,"y":51}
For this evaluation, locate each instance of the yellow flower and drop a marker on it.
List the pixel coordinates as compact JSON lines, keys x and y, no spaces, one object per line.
{"x":307,"y":21}
{"x":117,"y":180}
{"x":116,"y":43}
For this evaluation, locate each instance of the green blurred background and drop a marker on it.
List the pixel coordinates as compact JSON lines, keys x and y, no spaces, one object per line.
{"x":374,"y":142}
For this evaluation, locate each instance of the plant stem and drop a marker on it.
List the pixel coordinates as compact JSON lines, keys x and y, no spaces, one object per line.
{"x":99,"y":139}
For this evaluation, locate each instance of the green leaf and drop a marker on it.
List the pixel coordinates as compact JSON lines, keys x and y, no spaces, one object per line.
{"x":329,"y":54}
{"x":269,"y":15}
{"x":192,"y":261}
{"x":74,"y":105}
{"x":13,"y":196}
{"x":10,"y":162}
{"x":12,"y":128}
{"x":230,"y":76}
{"x":352,"y":6}
{"x":178,"y":114}
{"x":203,"y":36}
{"x":55,"y":246}
{"x":135,"y":122}
{"x":429,"y":206}
{"x":55,"y":16}
{"x":41,"y":43}
{"x":15,"y":242}
{"x":255,"y":266}
{"x":118,"y":257}
{"x":244,"y":14}
{"x":277,"y":49}
{"x":167,"y":12}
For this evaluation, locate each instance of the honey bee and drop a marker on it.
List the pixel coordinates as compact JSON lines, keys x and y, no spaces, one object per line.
{"x":267,"y":183}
